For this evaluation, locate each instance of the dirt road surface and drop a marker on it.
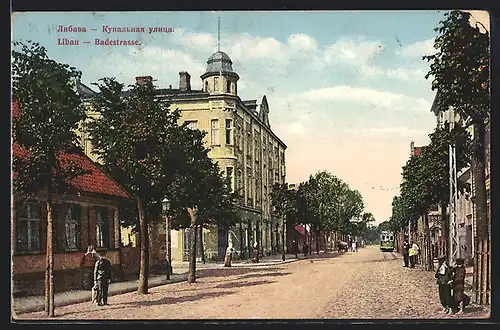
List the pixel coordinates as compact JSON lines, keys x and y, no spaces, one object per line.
{"x":368,"y":284}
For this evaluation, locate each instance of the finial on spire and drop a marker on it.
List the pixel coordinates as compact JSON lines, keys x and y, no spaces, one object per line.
{"x":218,"y":35}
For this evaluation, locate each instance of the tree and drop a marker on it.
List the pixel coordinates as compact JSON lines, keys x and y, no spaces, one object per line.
{"x":50,"y":112}
{"x":330,"y":204}
{"x":436,"y":167}
{"x":285,"y":201}
{"x":461,"y":74}
{"x":385,"y":225}
{"x":362,"y":226}
{"x":131,"y":137}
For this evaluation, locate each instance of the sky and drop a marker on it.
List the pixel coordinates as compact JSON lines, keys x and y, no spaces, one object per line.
{"x":346,"y":89}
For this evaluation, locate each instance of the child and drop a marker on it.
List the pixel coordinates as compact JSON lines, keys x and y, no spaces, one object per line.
{"x":458,"y":285}
{"x":444,"y":281}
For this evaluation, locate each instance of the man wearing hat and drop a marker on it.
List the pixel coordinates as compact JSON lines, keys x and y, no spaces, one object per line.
{"x":458,"y":285}
{"x":444,"y":281}
{"x":102,"y":277}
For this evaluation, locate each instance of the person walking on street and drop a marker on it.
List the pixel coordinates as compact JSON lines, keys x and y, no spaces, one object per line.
{"x":459,"y":296}
{"x":255,"y":257}
{"x":102,"y":277}
{"x":406,"y":251}
{"x":353,"y":246}
{"x":229,"y":256}
{"x":444,"y":280}
{"x":411,"y":255}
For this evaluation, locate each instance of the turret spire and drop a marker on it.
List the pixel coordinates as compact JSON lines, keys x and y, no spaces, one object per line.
{"x":218,"y":35}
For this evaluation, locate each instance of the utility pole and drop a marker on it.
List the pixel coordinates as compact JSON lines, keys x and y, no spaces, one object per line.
{"x":453,"y":233}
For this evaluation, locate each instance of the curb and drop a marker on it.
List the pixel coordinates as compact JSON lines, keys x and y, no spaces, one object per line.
{"x":79,"y":300}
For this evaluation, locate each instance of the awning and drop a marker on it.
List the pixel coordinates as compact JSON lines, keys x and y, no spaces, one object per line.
{"x":301,"y":230}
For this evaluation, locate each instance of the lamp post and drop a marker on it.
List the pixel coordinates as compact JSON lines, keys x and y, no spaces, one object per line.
{"x":165,"y":207}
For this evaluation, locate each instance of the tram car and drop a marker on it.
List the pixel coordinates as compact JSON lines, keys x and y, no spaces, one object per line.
{"x":387,"y":242}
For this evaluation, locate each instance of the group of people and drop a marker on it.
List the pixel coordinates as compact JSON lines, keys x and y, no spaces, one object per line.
{"x":450,"y":279}
{"x":451,"y":284}
{"x":410,"y":253}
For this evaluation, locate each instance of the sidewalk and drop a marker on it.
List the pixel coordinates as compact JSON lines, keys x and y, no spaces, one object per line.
{"x":30,"y":304}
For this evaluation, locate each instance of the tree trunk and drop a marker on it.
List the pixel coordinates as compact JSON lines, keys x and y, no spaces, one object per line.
{"x":242,"y":245}
{"x":427,"y":233}
{"x":482,"y":232}
{"x":445,"y":228}
{"x":169,"y":245}
{"x":257,"y":237}
{"x":317,"y":240}
{"x":249,"y":238}
{"x":283,"y":238}
{"x":144,"y":262}
{"x":49,"y":270}
{"x":202,"y":249}
{"x":192,"y":245}
{"x":296,"y":247}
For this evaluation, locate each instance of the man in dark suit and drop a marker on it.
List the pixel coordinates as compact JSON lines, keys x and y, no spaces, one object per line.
{"x":102,"y":277}
{"x":406,"y":253}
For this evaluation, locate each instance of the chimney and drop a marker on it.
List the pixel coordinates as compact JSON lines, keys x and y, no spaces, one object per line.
{"x":184,"y":81}
{"x":412,"y":148}
{"x":143,"y":79}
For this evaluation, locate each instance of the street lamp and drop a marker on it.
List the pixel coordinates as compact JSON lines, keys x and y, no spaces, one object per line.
{"x":165,"y":207}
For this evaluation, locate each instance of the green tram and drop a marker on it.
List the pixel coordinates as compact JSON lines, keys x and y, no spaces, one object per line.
{"x":387,"y":241}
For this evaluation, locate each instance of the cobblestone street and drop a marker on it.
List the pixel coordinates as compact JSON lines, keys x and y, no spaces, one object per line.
{"x":367,"y":284}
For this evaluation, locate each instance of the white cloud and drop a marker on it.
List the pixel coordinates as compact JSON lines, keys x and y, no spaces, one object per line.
{"x":363,"y":96}
{"x":353,"y":51}
{"x":246,"y":46}
{"x":406,"y":73}
{"x":302,"y":42}
{"x":162,"y":63}
{"x":201,"y":41}
{"x":419,"y":48}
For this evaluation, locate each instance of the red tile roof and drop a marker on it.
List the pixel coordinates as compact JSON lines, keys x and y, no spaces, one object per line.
{"x":96,"y":182}
{"x":417,"y":150}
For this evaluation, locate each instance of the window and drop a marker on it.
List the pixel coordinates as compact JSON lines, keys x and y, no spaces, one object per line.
{"x":216,"y":84}
{"x":215,"y":132}
{"x":229,"y":128}
{"x":28,"y":227}
{"x":102,"y":227}
{"x":229,"y":177}
{"x":235,"y":89}
{"x":228,"y":86}
{"x":72,"y":228}
{"x":192,"y":124}
{"x":206,"y":86}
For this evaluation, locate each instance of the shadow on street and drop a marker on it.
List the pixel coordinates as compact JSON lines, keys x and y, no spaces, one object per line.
{"x":263,"y":275}
{"x":241,"y":284}
{"x":222,"y":272}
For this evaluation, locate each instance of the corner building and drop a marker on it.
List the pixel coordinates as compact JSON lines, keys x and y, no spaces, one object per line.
{"x":243,"y":144}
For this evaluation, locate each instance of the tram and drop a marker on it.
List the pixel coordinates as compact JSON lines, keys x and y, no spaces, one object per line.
{"x":387,"y":242}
